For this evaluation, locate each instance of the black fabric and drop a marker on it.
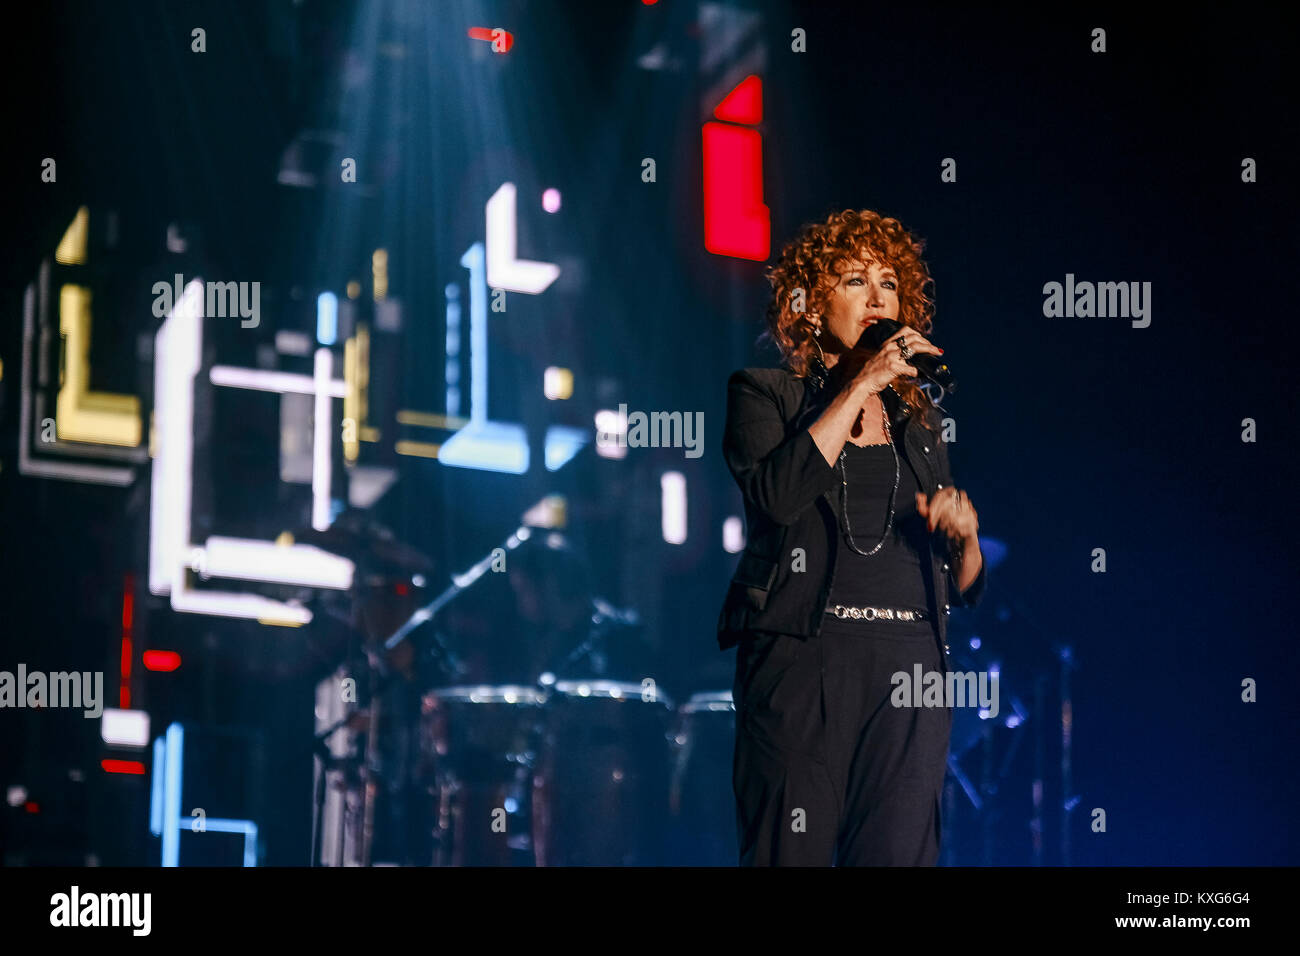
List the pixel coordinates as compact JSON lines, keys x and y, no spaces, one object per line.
{"x":784,"y":576}
{"x":896,"y":575}
{"x":826,"y":770}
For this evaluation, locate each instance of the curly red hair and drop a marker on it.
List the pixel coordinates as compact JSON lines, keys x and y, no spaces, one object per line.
{"x":808,"y":262}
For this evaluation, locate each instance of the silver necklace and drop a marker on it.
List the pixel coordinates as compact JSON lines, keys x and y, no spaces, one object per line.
{"x":844,"y":492}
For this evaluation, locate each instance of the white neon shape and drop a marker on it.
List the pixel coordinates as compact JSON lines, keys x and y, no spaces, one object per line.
{"x":261,"y":380}
{"x":171,"y":553}
{"x":176,"y":362}
{"x":244,"y":559}
{"x":672,"y":495}
{"x":504,"y":269}
{"x":733,"y":535}
{"x":124,"y":728}
{"x":611,"y":433}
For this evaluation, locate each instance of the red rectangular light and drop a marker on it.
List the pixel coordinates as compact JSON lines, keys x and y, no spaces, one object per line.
{"x":161,"y":660}
{"x":122,"y":766}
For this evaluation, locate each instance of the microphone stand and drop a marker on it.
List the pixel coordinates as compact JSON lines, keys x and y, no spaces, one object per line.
{"x":460,"y":582}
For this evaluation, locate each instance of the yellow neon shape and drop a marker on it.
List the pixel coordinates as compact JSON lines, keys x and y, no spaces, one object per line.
{"x":356,"y":404}
{"x":430,"y":419}
{"x":103,"y":418}
{"x":418,"y":449}
{"x":71,"y":250}
{"x":379,"y":273}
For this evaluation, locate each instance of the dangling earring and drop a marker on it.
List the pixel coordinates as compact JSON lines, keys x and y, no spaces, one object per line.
{"x":817,"y":373}
{"x":817,"y":334}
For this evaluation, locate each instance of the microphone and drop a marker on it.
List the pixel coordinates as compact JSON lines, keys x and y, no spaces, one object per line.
{"x":929,"y":367}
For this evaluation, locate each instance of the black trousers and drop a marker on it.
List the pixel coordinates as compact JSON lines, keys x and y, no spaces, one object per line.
{"x":826,"y":770}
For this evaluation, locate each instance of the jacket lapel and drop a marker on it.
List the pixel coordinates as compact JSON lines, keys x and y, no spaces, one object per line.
{"x":898,"y":410}
{"x":916,"y":438}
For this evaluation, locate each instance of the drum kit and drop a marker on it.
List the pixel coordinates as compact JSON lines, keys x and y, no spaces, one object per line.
{"x":575,"y":768}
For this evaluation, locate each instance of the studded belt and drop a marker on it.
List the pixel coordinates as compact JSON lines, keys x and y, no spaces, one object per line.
{"x":876,"y":613}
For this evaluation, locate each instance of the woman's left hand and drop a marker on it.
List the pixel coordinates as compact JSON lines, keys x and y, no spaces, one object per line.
{"x":951,"y":511}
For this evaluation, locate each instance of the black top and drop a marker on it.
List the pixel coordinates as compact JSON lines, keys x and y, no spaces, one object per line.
{"x":896,"y":575}
{"x":787,"y":484}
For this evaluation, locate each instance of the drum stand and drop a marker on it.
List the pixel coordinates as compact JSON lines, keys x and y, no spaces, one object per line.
{"x":1068,"y":800}
{"x":983,"y":791}
{"x":368,"y":771}
{"x":344,"y":767}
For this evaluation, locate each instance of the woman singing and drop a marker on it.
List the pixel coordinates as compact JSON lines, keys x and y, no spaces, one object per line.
{"x":858,"y":544}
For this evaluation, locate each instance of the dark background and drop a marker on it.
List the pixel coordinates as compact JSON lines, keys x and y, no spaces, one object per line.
{"x":1074,"y":433}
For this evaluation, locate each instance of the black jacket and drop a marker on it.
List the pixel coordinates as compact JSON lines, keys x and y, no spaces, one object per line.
{"x":792,"y":501}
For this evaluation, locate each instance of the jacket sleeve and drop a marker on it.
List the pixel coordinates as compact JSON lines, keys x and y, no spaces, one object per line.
{"x":779,"y":476}
{"x":972,"y":595}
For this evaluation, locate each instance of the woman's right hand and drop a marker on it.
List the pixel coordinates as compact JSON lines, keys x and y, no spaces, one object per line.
{"x":877,"y":370}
